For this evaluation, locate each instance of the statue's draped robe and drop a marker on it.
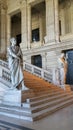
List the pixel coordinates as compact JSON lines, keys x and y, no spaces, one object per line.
{"x":63,"y":70}
{"x":15,"y":65}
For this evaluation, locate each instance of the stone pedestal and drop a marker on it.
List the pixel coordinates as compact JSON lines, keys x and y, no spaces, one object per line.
{"x":12,"y":98}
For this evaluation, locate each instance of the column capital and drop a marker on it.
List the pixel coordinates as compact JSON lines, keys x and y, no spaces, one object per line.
{"x":23,"y":3}
{"x":3,"y":4}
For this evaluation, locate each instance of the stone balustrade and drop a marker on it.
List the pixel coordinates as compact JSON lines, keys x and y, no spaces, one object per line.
{"x":4,"y":71}
{"x":51,"y":75}
{"x":47,"y":75}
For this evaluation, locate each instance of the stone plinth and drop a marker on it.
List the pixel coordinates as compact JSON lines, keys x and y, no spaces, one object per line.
{"x":12,"y":98}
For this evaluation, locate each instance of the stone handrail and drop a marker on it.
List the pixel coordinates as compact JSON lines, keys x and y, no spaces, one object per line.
{"x":51,"y":75}
{"x":4,"y":63}
{"x":4,"y":71}
{"x":47,"y":75}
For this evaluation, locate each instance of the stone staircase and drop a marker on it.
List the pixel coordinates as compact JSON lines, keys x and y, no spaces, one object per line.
{"x":41,"y":100}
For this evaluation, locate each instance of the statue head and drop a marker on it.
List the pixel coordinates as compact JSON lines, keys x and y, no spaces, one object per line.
{"x":13,"y":41}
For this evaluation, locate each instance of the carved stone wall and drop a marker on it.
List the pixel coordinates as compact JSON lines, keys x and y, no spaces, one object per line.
{"x":54,"y":43}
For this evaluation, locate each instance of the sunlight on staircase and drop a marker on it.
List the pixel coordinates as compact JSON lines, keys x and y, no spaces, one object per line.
{"x":41,"y":100}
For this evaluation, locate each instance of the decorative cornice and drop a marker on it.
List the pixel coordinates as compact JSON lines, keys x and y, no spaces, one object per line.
{"x":64,"y":45}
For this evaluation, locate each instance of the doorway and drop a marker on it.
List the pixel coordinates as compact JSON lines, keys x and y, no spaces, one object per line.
{"x":36,"y":60}
{"x":70,"y":67}
{"x":16,"y":27}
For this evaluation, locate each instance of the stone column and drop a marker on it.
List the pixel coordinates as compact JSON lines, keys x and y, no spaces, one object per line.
{"x":3,"y":29}
{"x":29,"y":25}
{"x":24,"y":25}
{"x":63,"y":21}
{"x":50,"y":22}
{"x":56,"y":20}
{"x":41,"y":28}
{"x":8,"y":29}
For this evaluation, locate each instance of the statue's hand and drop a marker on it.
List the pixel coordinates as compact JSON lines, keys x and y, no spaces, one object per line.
{"x":18,"y":58}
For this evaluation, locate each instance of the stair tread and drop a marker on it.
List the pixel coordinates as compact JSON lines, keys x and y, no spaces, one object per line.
{"x":51,"y":103}
{"x":38,"y":113}
{"x":13,"y":108}
{"x":43,"y":95}
{"x":46,"y":99}
{"x":52,"y":109}
{"x":13,"y":112}
{"x":49,"y":98}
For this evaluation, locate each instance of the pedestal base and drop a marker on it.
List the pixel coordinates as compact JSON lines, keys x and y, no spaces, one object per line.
{"x":12,"y":98}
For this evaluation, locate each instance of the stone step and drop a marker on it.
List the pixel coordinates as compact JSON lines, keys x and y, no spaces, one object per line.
{"x":42,"y":88}
{"x":48,"y":111}
{"x":35,"y":95}
{"x":46,"y":92}
{"x":36,"y":116}
{"x":16,"y":114}
{"x":15,"y":108}
{"x":38,"y":97}
{"x":44,"y":95}
{"x":48,"y":99}
{"x":45,"y":99}
{"x":50,"y":104}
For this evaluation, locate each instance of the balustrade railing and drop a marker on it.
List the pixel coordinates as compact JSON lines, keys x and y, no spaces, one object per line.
{"x":6,"y":75}
{"x":4,"y":71}
{"x":4,"y":63}
{"x":47,"y":75}
{"x":51,"y":75}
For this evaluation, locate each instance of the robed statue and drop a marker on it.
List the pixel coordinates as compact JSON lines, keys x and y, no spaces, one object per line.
{"x":15,"y":65}
{"x":63,"y":68}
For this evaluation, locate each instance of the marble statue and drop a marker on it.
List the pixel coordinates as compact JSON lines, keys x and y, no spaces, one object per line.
{"x":15,"y":65}
{"x":63,"y":68}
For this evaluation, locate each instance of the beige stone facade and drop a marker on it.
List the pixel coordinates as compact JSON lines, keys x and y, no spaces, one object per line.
{"x":53,"y":19}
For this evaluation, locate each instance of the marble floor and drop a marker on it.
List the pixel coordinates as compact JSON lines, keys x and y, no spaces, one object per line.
{"x":60,"y":120}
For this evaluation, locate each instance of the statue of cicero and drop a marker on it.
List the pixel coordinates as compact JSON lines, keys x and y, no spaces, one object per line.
{"x":15,"y":65}
{"x":63,"y":68}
